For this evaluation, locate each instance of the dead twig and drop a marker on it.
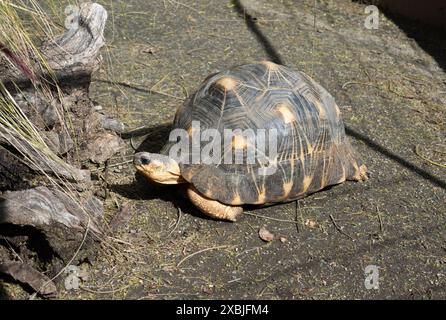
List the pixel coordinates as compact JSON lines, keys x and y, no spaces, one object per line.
{"x":422,"y":156}
{"x":177,"y":223}
{"x":269,"y":218}
{"x":104,"y":292}
{"x":151,"y":295}
{"x":359,"y":83}
{"x":381,"y":226}
{"x":185,"y":6}
{"x":112,"y":165}
{"x":390,"y":89}
{"x":340,"y":229}
{"x":201,"y":251}
{"x":142,"y":89}
{"x":12,"y":249}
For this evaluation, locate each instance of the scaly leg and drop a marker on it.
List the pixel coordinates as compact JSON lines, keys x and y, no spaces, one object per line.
{"x":213,"y":208}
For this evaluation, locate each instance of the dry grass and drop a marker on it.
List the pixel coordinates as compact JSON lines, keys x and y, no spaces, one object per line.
{"x":23,"y":26}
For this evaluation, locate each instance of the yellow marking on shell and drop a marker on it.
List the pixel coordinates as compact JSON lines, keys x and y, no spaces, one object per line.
{"x":343,"y":175}
{"x":310,"y":148}
{"x":301,"y":149}
{"x":237,"y":200}
{"x":239,"y":142}
{"x":338,"y":111}
{"x":323,"y":180}
{"x":287,"y":186}
{"x":292,"y":161}
{"x":260,"y":96}
{"x":323,"y":175}
{"x":286,"y":113}
{"x":270,"y":65}
{"x":318,"y":105}
{"x":320,"y":109}
{"x":306,"y":183}
{"x":262,"y":197}
{"x":227,"y":83}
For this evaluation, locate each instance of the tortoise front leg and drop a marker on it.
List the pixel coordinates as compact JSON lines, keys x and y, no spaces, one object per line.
{"x":213,"y":208}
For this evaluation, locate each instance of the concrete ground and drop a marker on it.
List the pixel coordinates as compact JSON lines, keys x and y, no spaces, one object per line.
{"x":391,"y":86}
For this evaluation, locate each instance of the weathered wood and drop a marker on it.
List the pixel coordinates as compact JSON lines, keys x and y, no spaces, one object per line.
{"x":71,"y":56}
{"x":77,"y":51}
{"x":64,"y":220}
{"x":28,"y":275}
{"x":68,"y":223}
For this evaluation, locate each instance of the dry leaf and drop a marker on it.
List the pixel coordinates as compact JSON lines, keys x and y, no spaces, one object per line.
{"x":265,"y":235}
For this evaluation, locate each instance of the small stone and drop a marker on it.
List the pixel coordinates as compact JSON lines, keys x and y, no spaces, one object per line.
{"x":113,"y":125}
{"x":101,"y":147}
{"x":148,"y":50}
{"x":65,"y":143}
{"x":207,"y":290}
{"x":71,"y":282}
{"x":93,"y":123}
{"x":282,"y":239}
{"x":51,"y":139}
{"x":83,"y":274}
{"x":59,"y":143}
{"x":311,"y":223}
{"x":49,"y":113}
{"x":168,"y":269}
{"x":265,"y":235}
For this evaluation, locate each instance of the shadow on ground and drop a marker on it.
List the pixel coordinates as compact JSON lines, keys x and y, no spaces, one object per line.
{"x":142,"y":189}
{"x":431,"y":39}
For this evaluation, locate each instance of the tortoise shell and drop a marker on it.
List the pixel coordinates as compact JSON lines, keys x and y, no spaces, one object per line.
{"x":313,"y":151}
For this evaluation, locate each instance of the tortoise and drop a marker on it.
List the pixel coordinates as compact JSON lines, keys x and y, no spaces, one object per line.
{"x":312,"y":149}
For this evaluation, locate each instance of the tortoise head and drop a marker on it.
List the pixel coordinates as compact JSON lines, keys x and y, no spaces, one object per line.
{"x":158,"y":168}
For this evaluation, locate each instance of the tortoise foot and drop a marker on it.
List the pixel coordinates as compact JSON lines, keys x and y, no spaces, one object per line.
{"x":361,"y":174}
{"x":213,"y":208}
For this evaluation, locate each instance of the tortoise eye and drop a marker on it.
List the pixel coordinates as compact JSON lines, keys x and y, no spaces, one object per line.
{"x":145,"y":161}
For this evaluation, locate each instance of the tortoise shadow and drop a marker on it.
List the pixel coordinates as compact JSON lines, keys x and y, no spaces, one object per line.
{"x":143,"y":189}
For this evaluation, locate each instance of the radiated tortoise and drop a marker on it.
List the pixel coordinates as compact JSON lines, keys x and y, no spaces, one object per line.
{"x":254,"y":134}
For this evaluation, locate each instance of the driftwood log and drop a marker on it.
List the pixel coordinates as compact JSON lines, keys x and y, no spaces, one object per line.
{"x":58,"y":224}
